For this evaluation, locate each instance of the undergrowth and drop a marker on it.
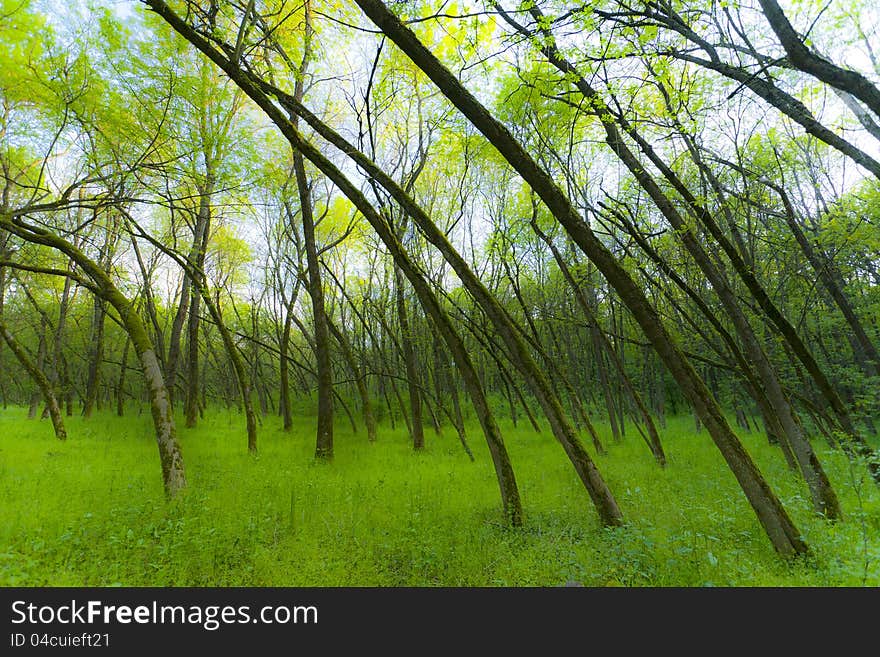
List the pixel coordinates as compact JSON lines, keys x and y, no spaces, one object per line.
{"x":91,"y":511}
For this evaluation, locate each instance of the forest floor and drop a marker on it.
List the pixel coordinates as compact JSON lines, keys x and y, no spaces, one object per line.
{"x":91,"y":511}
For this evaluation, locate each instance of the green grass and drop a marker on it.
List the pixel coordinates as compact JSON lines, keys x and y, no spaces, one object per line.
{"x":91,"y":512}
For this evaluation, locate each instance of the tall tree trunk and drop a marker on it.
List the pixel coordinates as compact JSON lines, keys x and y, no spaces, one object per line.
{"x":324,"y":365}
{"x":96,"y":351}
{"x":96,"y":358}
{"x":596,"y":336}
{"x":58,"y":374}
{"x":173,"y":474}
{"x":120,"y":383}
{"x":284,"y":372}
{"x":240,"y":374}
{"x":191,"y":384}
{"x":174,"y":341}
{"x":150,"y":304}
{"x":410,"y":366}
{"x":39,"y":365}
{"x":201,"y":235}
{"x":392,"y":379}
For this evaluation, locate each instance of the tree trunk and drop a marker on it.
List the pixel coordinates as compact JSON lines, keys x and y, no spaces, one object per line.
{"x":324,"y":365}
{"x":238,"y":368}
{"x":150,"y":304}
{"x":120,"y":384}
{"x":173,"y":474}
{"x":324,"y":440}
{"x":359,"y":380}
{"x":40,"y":379}
{"x":201,"y":235}
{"x":801,"y":57}
{"x":96,"y":358}
{"x":58,"y":375}
{"x":409,"y":362}
{"x":284,"y":372}
{"x":39,"y":365}
{"x":191,"y":384}
{"x":174,"y":340}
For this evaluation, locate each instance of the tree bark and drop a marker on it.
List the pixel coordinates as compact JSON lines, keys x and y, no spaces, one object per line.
{"x":810,"y":62}
{"x":324,"y":365}
{"x":284,"y":372}
{"x":96,"y":358}
{"x":409,"y":363}
{"x":39,"y":365}
{"x":58,"y":375}
{"x":120,"y":383}
{"x":197,"y":258}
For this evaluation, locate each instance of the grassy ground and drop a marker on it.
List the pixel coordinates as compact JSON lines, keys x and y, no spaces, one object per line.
{"x":91,"y":512}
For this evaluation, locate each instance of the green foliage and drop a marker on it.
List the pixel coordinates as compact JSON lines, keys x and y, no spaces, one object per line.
{"x":91,"y":512}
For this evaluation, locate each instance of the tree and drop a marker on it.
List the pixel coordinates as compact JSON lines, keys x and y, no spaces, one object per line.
{"x":784,"y":536}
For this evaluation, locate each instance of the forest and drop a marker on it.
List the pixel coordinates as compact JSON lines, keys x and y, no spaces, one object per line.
{"x":440,"y":293}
